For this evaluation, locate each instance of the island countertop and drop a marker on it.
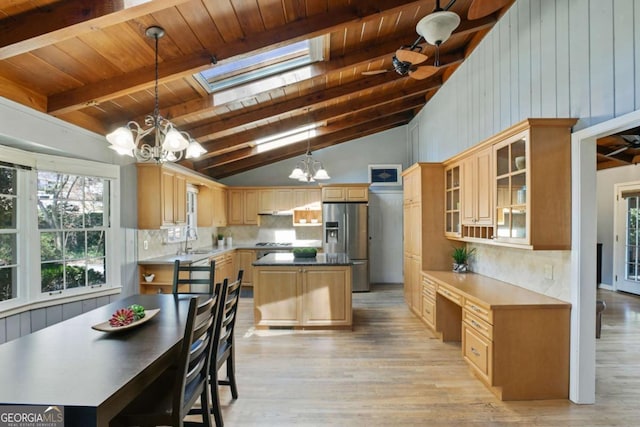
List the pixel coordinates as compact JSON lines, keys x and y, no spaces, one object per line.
{"x":287,"y":259}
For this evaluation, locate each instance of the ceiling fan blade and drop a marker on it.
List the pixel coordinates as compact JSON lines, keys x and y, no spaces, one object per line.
{"x":614,"y":152}
{"x":481,"y":8}
{"x":423,"y":72}
{"x":374,"y":72}
{"x":410,"y":56}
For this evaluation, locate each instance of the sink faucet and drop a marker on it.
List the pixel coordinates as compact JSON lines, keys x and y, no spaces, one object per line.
{"x":186,"y":238}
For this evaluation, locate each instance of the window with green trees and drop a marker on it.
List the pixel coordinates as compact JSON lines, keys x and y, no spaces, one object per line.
{"x":8,"y":233}
{"x":72,"y":222}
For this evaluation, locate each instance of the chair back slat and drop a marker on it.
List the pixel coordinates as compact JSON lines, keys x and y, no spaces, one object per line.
{"x":183,"y":275}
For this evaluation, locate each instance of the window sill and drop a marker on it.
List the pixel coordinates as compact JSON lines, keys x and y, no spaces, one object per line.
{"x":58,"y":300}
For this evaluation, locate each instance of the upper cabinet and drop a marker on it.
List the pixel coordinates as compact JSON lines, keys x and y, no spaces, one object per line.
{"x":275,"y":200}
{"x":162,"y":196}
{"x":243,"y":206}
{"x":345,"y":193}
{"x":307,"y":207}
{"x":452,"y":200}
{"x":212,"y":206}
{"x":516,"y":187}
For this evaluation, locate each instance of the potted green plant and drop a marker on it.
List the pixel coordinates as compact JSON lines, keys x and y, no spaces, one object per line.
{"x":220,"y":240}
{"x":460,"y":259}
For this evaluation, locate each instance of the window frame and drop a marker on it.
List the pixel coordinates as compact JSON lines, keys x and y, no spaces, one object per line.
{"x":28,"y":252}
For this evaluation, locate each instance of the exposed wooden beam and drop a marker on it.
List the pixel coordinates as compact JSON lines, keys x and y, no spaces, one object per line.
{"x":339,"y":137}
{"x":332,"y":112}
{"x":62,"y":20}
{"x":358,"y":11}
{"x":22,"y":95}
{"x":320,"y":96}
{"x":374,"y":113}
{"x":383,"y":51}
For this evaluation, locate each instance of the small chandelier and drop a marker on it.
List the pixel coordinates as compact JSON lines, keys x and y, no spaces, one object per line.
{"x":308,"y":169}
{"x":169,"y":144}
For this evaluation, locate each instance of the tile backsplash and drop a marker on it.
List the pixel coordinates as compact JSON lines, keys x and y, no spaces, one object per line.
{"x":271,"y":229}
{"x":545,"y":272}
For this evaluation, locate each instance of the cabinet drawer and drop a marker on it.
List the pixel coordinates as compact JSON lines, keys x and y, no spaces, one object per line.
{"x":450,"y":294}
{"x":476,"y":350}
{"x":428,"y":289}
{"x":478,"y":310}
{"x":477,"y":323}
{"x":428,"y":311}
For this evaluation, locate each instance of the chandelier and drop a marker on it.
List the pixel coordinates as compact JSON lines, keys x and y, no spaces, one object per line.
{"x":308,"y":169}
{"x":158,"y":140}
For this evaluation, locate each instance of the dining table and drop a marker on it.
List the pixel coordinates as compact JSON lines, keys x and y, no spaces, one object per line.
{"x":91,"y":373}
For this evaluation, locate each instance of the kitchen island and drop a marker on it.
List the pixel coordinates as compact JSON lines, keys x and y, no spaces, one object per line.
{"x":302,"y":293}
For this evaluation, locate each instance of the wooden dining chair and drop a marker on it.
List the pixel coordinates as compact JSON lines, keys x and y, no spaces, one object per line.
{"x":224,"y":333}
{"x":185,"y":276}
{"x":168,"y":399}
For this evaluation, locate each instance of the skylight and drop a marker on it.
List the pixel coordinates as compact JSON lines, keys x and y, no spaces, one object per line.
{"x":278,"y":63}
{"x":286,"y":138}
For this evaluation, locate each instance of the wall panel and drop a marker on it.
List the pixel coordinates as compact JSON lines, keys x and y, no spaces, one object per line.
{"x":623,"y":45}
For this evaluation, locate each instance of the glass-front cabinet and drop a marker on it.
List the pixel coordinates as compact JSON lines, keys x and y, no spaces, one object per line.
{"x":511,"y":217}
{"x":452,"y":201}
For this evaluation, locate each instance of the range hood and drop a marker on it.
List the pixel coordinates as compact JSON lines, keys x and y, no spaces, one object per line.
{"x":277,"y":213}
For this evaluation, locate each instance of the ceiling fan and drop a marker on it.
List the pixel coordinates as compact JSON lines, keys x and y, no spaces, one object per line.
{"x":435,"y":29}
{"x":630,"y":141}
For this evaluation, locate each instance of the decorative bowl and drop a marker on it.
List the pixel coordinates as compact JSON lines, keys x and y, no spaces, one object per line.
{"x":149,"y":277}
{"x":520,"y":162}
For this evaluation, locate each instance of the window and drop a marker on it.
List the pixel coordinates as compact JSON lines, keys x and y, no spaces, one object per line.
{"x":72,"y":222}
{"x":58,"y":223}
{"x":262,"y":71}
{"x":632,"y":245}
{"x":8,"y":233}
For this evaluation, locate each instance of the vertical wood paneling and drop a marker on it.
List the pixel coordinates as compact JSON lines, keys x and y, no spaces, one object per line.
{"x":548,"y":61}
{"x":514,"y":90}
{"x":601,"y":60}
{"x":624,"y":74}
{"x":54,"y":315}
{"x":495,"y":72}
{"x":544,"y":58}
{"x":3,"y":331}
{"x":562,"y":58}
{"x":579,"y":51}
{"x":71,"y":309}
{"x":536,"y":60}
{"x":25,"y":323}
{"x":89,"y":304}
{"x":524,"y":58}
{"x":38,"y":319}
{"x":505,"y":70}
{"x":13,"y":327}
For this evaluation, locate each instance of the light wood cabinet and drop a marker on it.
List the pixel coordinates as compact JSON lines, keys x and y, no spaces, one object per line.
{"x":452,"y":200}
{"x":425,"y":246}
{"x":476,"y":190}
{"x":225,"y":267}
{"x":516,"y":341}
{"x":162,"y":282}
{"x":345,"y":193}
{"x":219,"y":206}
{"x":521,"y":165}
{"x":274,"y":200}
{"x":162,"y":197}
{"x":309,"y":296}
{"x":242,"y":206}
{"x":245,"y":257}
{"x":307,"y":207}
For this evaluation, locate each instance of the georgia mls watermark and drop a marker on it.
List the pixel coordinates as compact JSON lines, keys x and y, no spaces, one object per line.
{"x":31,"y":416}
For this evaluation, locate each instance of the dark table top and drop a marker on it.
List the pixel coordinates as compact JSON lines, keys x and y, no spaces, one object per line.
{"x":72,"y":365}
{"x":287,"y":259}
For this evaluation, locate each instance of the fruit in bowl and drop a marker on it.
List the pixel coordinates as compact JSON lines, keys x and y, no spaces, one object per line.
{"x":304,"y":252}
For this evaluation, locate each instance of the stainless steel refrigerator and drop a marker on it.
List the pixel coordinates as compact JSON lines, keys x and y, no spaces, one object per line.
{"x":346,"y":230}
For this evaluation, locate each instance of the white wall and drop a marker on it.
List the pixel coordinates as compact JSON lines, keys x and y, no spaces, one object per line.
{"x":346,"y":162}
{"x":605,"y":198}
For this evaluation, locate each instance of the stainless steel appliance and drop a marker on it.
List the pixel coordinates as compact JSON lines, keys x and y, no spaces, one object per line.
{"x":346,"y":230}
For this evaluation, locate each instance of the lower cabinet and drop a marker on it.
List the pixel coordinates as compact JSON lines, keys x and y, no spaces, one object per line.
{"x":244,"y":259}
{"x":303,"y":296}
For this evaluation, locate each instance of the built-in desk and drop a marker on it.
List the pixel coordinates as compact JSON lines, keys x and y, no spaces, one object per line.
{"x":515,"y":340}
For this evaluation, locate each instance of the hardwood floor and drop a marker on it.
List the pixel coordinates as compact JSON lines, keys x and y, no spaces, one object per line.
{"x":390,"y":370}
